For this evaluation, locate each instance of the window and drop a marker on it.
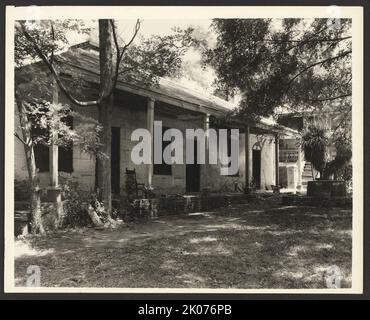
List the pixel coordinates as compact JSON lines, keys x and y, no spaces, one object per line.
{"x":229,"y":152}
{"x":42,"y":157}
{"x":163,"y":168}
{"x":65,"y":159}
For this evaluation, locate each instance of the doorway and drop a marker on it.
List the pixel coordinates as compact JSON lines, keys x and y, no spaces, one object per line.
{"x":115,"y":160}
{"x":256,"y":165}
{"x":192,"y":178}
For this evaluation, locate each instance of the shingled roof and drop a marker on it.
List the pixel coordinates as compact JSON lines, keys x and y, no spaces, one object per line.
{"x":85,"y":58}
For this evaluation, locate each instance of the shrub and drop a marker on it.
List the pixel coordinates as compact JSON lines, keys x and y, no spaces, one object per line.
{"x":314,"y":145}
{"x":77,"y":202}
{"x":345,"y":174}
{"x":74,"y":204}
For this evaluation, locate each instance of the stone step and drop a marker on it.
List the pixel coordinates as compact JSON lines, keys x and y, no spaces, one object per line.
{"x":21,"y":215}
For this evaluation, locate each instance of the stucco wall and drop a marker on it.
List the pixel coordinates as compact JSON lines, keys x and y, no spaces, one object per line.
{"x":129,"y":118}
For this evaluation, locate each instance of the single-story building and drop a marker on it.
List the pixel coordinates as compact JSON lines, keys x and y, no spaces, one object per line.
{"x":137,"y":106}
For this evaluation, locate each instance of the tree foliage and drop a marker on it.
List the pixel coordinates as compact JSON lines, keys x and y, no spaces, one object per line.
{"x":290,"y":64}
{"x":51,"y":36}
{"x":49,"y":120}
{"x":141,"y":60}
{"x":151,"y":58}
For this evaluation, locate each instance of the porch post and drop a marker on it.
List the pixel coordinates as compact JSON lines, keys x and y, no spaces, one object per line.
{"x":206,"y":158}
{"x":276,"y":160}
{"x":299,"y":183}
{"x":246,"y":152}
{"x":53,"y":190}
{"x":53,"y":149}
{"x":150,"y":127}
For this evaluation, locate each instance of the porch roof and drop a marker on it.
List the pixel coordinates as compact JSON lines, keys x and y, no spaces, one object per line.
{"x":85,"y":58}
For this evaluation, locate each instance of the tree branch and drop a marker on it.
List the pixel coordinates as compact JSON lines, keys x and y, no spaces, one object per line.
{"x":53,"y":36}
{"x":331,"y":98}
{"x":20,"y":139}
{"x":136,"y":30}
{"x":146,"y":60}
{"x":341,"y":55}
{"x":54,"y":72}
{"x":312,"y":36}
{"x":340,"y":123}
{"x":119,"y":54}
{"x":302,"y":42}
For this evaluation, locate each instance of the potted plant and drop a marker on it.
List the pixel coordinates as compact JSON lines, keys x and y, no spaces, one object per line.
{"x":328,"y":155}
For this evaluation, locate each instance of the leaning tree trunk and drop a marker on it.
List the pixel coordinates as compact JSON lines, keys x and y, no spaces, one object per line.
{"x":35,"y":201}
{"x":105,"y":114}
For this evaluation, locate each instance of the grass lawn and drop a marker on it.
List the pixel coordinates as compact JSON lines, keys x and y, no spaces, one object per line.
{"x":255,"y":245}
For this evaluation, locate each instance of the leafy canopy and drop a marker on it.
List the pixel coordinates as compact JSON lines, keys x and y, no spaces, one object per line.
{"x":139,"y":59}
{"x":289,"y":64}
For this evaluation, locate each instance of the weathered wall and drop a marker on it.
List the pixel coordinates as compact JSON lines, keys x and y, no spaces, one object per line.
{"x":211,"y":174}
{"x":129,"y":114}
{"x":288,"y":175}
{"x":130,"y":117}
{"x":176,"y":182}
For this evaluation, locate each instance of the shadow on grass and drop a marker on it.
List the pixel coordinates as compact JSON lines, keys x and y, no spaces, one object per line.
{"x":241,"y":248}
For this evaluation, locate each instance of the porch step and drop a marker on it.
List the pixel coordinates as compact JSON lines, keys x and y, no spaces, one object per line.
{"x":21,"y":215}
{"x":307,"y":173}
{"x":21,"y":222}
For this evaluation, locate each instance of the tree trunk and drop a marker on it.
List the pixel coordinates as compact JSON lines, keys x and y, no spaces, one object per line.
{"x":105,"y":114}
{"x":35,"y":204}
{"x":35,"y":201}
{"x":104,"y":163}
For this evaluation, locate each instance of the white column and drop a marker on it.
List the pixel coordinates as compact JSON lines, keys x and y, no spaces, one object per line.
{"x":299,"y":182}
{"x":246,"y":155}
{"x":54,"y":191}
{"x":53,"y":149}
{"x":276,"y":160}
{"x":205,"y":167}
{"x":150,"y":127}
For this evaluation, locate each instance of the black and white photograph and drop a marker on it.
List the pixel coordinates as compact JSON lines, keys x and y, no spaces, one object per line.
{"x":196,"y":150}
